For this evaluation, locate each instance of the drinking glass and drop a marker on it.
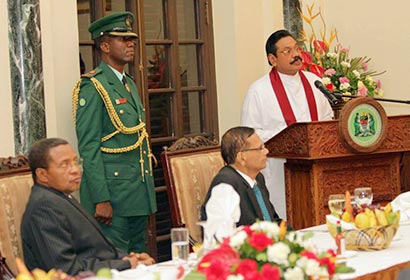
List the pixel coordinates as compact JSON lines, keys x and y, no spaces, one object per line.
{"x":336,"y":203}
{"x":363,"y":196}
{"x":180,"y":245}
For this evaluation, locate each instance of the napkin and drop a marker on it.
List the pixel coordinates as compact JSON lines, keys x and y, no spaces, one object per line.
{"x":346,"y":226}
{"x":402,"y":203}
{"x":223,"y":212}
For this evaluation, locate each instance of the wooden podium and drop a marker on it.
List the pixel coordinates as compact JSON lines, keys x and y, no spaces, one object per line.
{"x":318,"y":164}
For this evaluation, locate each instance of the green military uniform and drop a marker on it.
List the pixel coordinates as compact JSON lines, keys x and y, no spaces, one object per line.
{"x":117,"y":160}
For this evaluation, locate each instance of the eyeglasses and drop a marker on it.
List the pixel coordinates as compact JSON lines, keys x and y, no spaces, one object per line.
{"x":288,"y":51}
{"x":260,"y":148}
{"x":65,"y":165}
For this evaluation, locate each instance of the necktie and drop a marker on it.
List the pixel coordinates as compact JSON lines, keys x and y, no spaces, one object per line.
{"x":124,"y":81}
{"x":261,"y":203}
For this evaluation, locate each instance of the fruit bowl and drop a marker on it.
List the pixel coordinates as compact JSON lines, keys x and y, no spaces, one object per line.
{"x":366,"y":239}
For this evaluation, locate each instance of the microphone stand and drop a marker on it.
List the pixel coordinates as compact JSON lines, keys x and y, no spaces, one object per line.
{"x":340,"y":95}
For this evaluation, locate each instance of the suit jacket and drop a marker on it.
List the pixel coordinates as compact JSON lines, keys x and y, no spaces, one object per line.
{"x":250,"y":209}
{"x":57,"y":233}
{"x":116,"y":177}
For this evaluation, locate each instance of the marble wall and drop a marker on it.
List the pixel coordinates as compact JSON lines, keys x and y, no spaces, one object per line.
{"x":26,"y":73}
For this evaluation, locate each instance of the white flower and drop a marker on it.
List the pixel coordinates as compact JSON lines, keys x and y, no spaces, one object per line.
{"x":369,"y":78}
{"x":331,"y":55}
{"x":278,"y":253}
{"x":380,"y":92}
{"x":344,"y":86}
{"x":238,"y":239}
{"x":295,"y":273}
{"x":310,"y":266}
{"x":270,"y":229}
{"x":345,"y":64}
{"x":235,"y":277}
{"x":326,"y":80}
{"x":356,"y":73}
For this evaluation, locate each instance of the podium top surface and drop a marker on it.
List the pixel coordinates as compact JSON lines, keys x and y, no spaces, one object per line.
{"x":317,"y":140}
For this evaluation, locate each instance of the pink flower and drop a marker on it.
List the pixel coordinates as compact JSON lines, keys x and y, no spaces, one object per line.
{"x":362,"y":91}
{"x":364,"y":66}
{"x":260,"y":241}
{"x":330,"y":72}
{"x":379,"y":85}
{"x":344,"y":80}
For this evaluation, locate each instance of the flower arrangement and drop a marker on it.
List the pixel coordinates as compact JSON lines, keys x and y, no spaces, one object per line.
{"x":266,"y":250}
{"x":339,"y":73}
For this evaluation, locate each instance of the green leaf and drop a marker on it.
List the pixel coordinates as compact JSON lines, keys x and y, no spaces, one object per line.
{"x":195,"y":275}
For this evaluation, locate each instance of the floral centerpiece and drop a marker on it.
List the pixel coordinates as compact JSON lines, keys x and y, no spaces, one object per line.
{"x":339,"y":72}
{"x":266,"y":250}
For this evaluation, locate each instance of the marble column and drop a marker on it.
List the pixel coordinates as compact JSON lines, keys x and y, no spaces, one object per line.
{"x":26,"y":72}
{"x":291,"y":17}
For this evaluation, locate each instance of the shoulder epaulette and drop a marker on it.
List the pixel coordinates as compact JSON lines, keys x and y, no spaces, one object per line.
{"x":92,"y":73}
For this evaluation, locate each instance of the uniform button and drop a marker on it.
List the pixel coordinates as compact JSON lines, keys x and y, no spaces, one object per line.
{"x":121,"y":112}
{"x":146,"y":171}
{"x":144,"y":152}
{"x":116,"y":174}
{"x":143,"y":109}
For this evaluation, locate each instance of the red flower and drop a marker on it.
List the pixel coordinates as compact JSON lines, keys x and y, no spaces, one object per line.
{"x":317,"y":69}
{"x":309,"y":255}
{"x":270,"y":272}
{"x":248,"y":269}
{"x":320,"y":46}
{"x":330,"y":87}
{"x":331,"y":266}
{"x":248,"y":230}
{"x":217,"y":263}
{"x":307,"y":58}
{"x":260,"y":241}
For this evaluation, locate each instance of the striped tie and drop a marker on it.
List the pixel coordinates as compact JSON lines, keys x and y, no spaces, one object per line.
{"x":262,"y":204}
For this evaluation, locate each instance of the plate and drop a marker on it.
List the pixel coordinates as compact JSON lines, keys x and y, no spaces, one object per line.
{"x":349,"y":254}
{"x":405,"y":222}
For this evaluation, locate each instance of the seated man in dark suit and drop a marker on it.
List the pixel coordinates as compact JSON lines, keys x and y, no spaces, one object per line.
{"x":56,"y":231}
{"x":245,"y":155}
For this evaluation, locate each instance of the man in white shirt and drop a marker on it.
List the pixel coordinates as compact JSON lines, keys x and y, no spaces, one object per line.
{"x":245,"y":155}
{"x":280,"y":98}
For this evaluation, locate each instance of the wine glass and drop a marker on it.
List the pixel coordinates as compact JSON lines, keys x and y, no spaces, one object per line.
{"x":363,"y":196}
{"x":336,"y":203}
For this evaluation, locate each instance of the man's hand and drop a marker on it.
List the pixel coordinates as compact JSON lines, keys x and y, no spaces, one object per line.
{"x":143,"y":258}
{"x":103,"y":212}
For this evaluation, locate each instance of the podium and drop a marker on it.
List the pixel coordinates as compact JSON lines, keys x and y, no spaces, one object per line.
{"x":318,"y":164}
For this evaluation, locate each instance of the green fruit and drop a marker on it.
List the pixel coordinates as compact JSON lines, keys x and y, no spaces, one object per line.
{"x":104,"y":272}
{"x":391,"y":218}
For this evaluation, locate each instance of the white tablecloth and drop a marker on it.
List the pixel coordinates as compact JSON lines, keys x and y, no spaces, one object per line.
{"x":365,"y":262}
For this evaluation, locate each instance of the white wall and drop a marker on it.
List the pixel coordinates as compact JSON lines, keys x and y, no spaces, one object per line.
{"x":6,"y":122}
{"x":240,"y":30}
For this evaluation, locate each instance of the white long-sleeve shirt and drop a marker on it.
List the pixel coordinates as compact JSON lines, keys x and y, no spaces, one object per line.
{"x":261,"y":111}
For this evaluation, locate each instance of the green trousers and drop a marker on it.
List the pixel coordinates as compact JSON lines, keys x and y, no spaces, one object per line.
{"x":128,"y":233}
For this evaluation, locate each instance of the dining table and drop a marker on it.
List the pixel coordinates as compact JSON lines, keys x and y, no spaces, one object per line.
{"x":385,"y":264}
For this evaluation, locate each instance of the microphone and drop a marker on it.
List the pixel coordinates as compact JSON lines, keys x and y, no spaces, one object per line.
{"x":330,"y":96}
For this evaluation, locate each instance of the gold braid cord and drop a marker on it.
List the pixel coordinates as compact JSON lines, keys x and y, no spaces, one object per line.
{"x":119,"y":126}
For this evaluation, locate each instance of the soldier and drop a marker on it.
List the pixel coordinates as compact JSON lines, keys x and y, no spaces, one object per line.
{"x":117,"y":185}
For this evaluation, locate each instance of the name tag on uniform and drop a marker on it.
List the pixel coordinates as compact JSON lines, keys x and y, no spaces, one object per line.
{"x":120,"y":101}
